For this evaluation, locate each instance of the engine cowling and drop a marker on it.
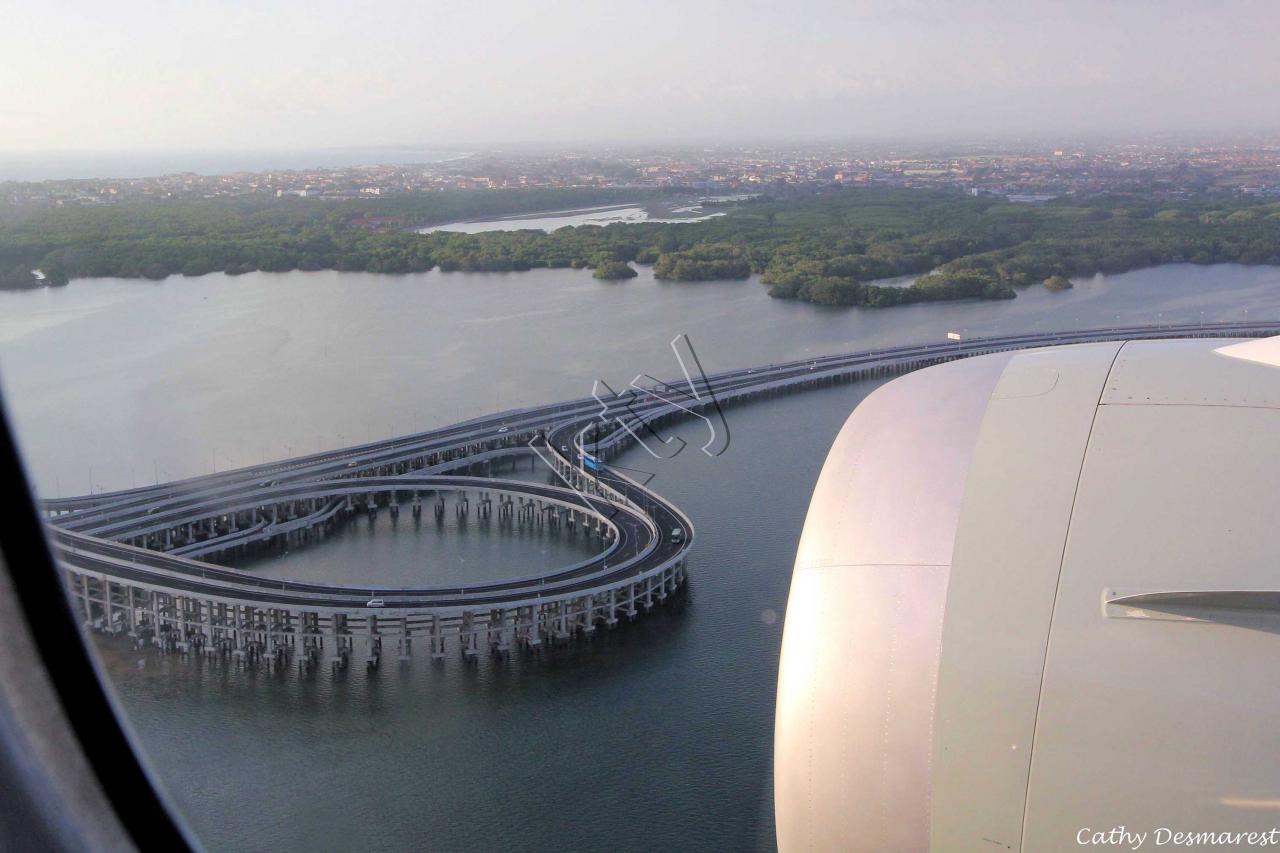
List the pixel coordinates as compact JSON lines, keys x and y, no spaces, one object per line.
{"x":1035,"y":594}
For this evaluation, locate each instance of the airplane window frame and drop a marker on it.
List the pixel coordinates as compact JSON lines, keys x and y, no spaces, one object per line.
{"x":86,"y":731}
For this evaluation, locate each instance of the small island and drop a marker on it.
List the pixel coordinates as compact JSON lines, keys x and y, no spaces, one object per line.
{"x":614,"y":270}
{"x":1057,"y":282}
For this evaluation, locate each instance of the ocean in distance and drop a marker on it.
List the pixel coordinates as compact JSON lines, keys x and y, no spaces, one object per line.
{"x":88,"y":165}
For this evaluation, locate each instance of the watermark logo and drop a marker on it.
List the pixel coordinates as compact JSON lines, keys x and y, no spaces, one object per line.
{"x":1131,"y":839}
{"x":634,"y":411}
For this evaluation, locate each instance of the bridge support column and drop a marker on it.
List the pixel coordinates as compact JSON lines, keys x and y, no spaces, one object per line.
{"x":155,"y":615}
{"x":108,"y":614}
{"x":527,"y":627}
{"x":437,"y":638}
{"x":405,"y":643}
{"x":508,"y":633}
{"x":467,"y":634}
{"x":562,"y":621}
{"x":183,"y":640}
{"x":86,"y":610}
{"x":340,"y":655}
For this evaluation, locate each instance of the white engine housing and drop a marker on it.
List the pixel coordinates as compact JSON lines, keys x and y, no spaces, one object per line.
{"x":1039,"y":593}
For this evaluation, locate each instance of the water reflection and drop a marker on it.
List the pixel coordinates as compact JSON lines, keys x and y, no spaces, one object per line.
{"x":603,"y":215}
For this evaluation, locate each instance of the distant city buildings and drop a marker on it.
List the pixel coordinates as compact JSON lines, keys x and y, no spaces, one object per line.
{"x":1023,"y":175}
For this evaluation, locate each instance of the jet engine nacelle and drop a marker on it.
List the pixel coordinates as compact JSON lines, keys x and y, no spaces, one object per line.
{"x":1039,"y":593}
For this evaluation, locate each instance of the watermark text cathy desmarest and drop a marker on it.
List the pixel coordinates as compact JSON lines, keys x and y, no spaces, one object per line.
{"x":1132,"y":839}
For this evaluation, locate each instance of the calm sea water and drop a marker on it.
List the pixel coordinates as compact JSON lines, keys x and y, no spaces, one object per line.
{"x":655,"y":736}
{"x":63,"y":165}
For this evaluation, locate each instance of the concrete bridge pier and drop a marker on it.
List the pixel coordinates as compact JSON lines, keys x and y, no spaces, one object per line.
{"x":153,"y":615}
{"x":404,"y":644}
{"x":340,"y":653}
{"x":105,"y":605}
{"x":311,"y":650}
{"x":185,"y":631}
{"x":468,"y":635}
{"x":507,"y":639}
{"x":405,"y":648}
{"x":526,"y":628}
{"x":500,"y":632}
{"x":437,"y":639}
{"x":561,"y":624}
{"x":611,"y":609}
{"x":310,"y":640}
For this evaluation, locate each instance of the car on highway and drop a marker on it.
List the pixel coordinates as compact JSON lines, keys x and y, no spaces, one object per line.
{"x":375,"y":602}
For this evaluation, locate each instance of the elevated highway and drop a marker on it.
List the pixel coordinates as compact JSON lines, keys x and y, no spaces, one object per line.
{"x":130,"y":556}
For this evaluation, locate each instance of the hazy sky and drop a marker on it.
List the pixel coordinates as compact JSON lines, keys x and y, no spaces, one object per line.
{"x":125,"y":75}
